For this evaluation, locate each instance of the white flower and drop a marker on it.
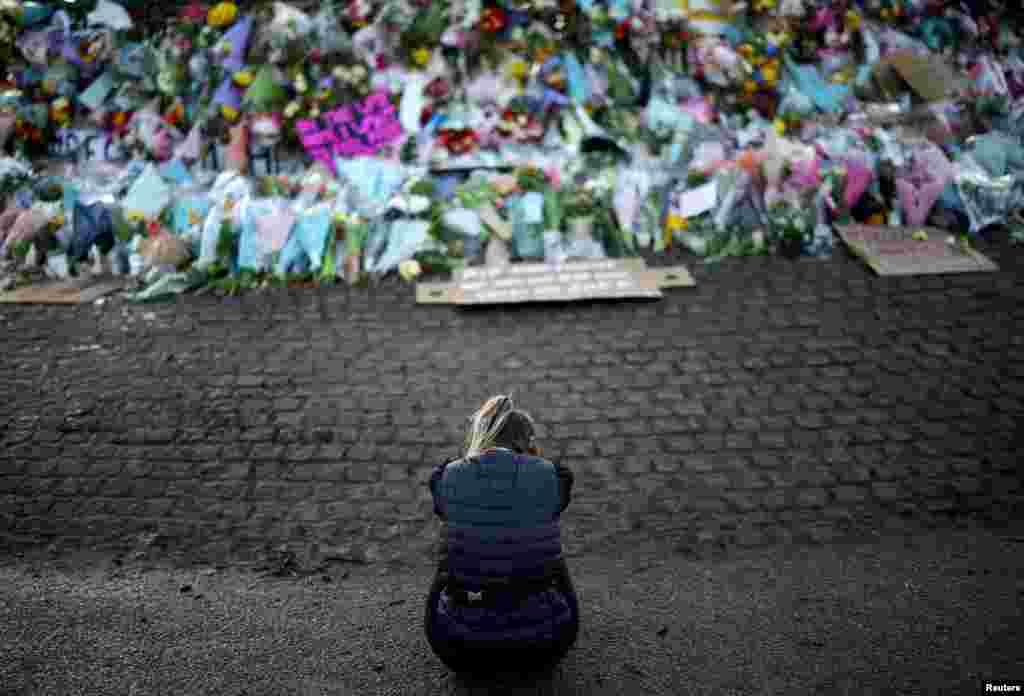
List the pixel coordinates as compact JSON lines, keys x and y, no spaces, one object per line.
{"x":418,"y":204}
{"x":292,"y":109}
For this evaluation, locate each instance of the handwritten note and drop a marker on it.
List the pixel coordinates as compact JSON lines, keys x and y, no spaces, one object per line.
{"x":613,"y":278}
{"x":352,"y":130}
{"x":86,"y":144}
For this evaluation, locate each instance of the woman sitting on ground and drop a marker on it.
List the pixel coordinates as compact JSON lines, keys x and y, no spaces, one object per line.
{"x":502,"y":597}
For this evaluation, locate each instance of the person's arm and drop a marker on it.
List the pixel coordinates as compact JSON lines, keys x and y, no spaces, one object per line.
{"x":565,"y":481}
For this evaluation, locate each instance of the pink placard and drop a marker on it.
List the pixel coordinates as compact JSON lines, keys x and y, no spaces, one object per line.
{"x":353,"y":130}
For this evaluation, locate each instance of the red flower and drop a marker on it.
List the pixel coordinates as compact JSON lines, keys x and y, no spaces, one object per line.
{"x":426,"y":115}
{"x":622,"y":30}
{"x":493,"y":20}
{"x":193,"y":13}
{"x":459,"y":141}
{"x":439,"y":88}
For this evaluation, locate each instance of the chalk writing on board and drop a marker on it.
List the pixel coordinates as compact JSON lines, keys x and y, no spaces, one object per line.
{"x":352,"y":130}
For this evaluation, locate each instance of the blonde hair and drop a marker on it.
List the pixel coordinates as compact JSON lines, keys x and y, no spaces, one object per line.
{"x":488,"y":422}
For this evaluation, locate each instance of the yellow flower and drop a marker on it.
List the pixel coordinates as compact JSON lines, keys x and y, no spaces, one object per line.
{"x":134,"y":216}
{"x":518,"y":70}
{"x":780,"y":126}
{"x":920,"y":236}
{"x":746,"y":50}
{"x":770,"y":73}
{"x":764,"y":5}
{"x":222,"y":14}
{"x":749,"y":86}
{"x":244,"y":78}
{"x":852,"y":20}
{"x":409,"y":269}
{"x":421,"y":56}
{"x":292,"y":109}
{"x":886,"y":13}
{"x":229,"y":112}
{"x":58,"y":220}
{"x":676,"y":223}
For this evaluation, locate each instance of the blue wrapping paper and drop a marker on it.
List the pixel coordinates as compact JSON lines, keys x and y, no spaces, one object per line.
{"x":93,"y":224}
{"x":307,"y":243}
{"x":826,"y":96}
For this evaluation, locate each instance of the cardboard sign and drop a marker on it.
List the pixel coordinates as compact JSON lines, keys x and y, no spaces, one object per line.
{"x":894,"y":251}
{"x":929,"y":77}
{"x":353,"y":130}
{"x":60,"y":292}
{"x":544,"y":282}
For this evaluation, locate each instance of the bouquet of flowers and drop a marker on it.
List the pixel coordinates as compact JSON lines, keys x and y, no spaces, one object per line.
{"x":14,"y":175}
{"x":790,"y":227}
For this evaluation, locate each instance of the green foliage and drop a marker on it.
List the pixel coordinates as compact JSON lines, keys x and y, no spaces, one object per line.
{"x":227,"y":242}
{"x":408,"y":152}
{"x":423,"y":187}
{"x":531,"y":179}
{"x":21,"y":248}
{"x":695,"y":179}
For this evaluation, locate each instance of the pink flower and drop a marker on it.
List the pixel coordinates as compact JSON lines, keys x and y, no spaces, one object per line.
{"x":382,"y":63}
{"x":554,"y":176}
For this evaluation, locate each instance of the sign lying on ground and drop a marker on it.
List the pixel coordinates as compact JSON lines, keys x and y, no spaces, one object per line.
{"x":546,"y":282}
{"x":62,"y":292}
{"x":894,"y":251}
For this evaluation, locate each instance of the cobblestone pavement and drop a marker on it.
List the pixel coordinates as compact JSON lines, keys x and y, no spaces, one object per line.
{"x":775,"y":402}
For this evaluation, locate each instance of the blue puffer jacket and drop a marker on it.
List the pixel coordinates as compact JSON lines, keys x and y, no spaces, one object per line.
{"x":502,"y":521}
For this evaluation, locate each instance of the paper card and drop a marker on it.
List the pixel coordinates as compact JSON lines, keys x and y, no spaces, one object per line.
{"x":190,"y":212}
{"x":489,"y":216}
{"x":696,"y":201}
{"x":706,"y":154}
{"x":532,"y":206}
{"x":98,"y":92}
{"x":149,"y":195}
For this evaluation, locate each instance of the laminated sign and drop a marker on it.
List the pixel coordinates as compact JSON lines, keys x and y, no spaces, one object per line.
{"x":352,"y":130}
{"x":910,"y":250}
{"x":547,"y":282}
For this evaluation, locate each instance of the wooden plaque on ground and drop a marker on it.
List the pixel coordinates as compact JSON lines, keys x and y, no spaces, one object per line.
{"x":549,"y":282}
